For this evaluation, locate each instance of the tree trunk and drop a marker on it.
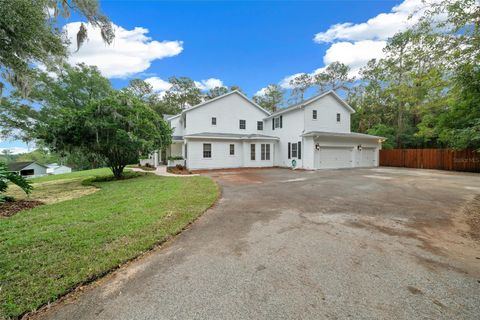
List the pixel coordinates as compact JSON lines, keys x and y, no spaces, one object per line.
{"x":117,"y":171}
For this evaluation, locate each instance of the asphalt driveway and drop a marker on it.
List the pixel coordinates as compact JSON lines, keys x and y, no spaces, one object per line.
{"x":378,"y":243}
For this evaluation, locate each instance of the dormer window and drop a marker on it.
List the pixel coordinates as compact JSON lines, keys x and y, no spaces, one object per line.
{"x":338,"y":117}
{"x":314,"y":114}
{"x":214,"y":121}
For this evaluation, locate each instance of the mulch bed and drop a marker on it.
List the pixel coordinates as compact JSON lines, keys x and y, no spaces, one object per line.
{"x":8,"y":209}
{"x":176,"y":170}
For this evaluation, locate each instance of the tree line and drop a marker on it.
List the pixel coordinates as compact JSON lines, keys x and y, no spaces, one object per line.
{"x":425,"y":92}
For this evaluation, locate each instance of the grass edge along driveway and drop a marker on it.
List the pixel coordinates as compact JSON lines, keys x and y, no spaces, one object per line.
{"x":49,"y":250}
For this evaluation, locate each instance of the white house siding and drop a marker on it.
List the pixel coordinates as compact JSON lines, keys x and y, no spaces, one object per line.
{"x":291,"y":131}
{"x":177,"y":126}
{"x":228,"y":111}
{"x":327,"y":108}
{"x":221,"y":157}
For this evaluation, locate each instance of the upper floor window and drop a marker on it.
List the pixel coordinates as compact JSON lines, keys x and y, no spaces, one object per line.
{"x":207,"y":150}
{"x":214,"y":121}
{"x":314,"y":114}
{"x":259,"y":125}
{"x":243,"y":124}
{"x":277,"y":122}
{"x":338,"y":117}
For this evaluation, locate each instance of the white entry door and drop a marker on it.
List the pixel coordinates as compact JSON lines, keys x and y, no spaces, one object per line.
{"x":333,"y":158}
{"x":367,"y":157}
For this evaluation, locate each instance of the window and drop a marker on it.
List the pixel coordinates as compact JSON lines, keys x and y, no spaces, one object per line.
{"x":185,"y":122}
{"x":214,"y":121}
{"x":252,"y":152}
{"x":259,"y":125}
{"x":289,"y":148}
{"x":186,"y":151}
{"x":338,"y":117}
{"x":314,"y":114}
{"x":265,"y":152}
{"x":232,"y":149}
{"x":299,"y":150}
{"x":243,"y":124}
{"x":294,"y":150}
{"x":207,"y":150}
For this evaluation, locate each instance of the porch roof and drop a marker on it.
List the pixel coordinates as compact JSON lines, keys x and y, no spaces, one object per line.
{"x":354,"y":135}
{"x":230,"y":136}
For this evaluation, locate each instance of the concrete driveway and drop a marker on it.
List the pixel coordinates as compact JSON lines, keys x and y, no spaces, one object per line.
{"x":378,"y":243}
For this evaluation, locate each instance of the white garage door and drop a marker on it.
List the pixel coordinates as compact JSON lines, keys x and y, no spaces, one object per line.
{"x":367,"y":157}
{"x":332,"y":158}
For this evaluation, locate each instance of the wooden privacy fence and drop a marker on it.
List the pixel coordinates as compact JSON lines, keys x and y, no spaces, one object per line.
{"x":441,"y":159}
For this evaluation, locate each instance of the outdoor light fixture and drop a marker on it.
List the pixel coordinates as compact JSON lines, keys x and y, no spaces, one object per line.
{"x":359,"y":147}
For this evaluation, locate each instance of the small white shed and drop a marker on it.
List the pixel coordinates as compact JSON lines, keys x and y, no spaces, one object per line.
{"x":54,"y":168}
{"x":29,"y":169}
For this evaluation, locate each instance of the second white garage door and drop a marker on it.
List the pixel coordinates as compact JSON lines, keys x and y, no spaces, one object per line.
{"x":333,"y":157}
{"x":367,"y":157}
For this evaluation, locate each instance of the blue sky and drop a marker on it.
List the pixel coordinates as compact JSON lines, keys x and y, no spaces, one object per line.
{"x":250,"y":44}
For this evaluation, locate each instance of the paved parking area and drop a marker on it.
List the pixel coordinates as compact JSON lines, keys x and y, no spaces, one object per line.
{"x":380,"y":243}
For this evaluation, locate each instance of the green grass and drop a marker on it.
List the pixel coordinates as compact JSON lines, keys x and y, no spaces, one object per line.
{"x":49,"y":250}
{"x":74,"y":175}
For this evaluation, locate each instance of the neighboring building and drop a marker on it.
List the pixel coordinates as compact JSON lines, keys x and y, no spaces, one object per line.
{"x":29,"y":169}
{"x":54,"y":168}
{"x":231,"y":131}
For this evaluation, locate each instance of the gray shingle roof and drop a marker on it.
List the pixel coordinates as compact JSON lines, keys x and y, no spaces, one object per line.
{"x":230,"y":135}
{"x":17,"y":166}
{"x":341,"y":134}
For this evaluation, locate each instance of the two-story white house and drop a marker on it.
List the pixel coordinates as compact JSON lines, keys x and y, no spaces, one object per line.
{"x":231,"y":131}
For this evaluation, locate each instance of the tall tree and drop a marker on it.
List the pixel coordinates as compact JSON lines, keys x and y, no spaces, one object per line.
{"x":28,"y":35}
{"x":271,"y":98}
{"x":300,"y":85}
{"x":216,"y":92}
{"x":119,"y":128}
{"x":182,"y":94}
{"x":335,"y":77}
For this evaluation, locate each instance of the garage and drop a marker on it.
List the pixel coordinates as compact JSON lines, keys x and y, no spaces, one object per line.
{"x":367,"y":157}
{"x":333,"y":157}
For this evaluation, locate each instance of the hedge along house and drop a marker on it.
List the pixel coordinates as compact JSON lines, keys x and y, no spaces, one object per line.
{"x":231,"y":131}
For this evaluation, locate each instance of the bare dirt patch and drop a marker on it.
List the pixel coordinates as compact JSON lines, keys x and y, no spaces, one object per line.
{"x":472,"y":212}
{"x":8,"y":209}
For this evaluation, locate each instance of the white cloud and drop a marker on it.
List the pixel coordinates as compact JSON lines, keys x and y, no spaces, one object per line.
{"x":131,"y":51}
{"x":261,"y":92}
{"x":356,"y":44}
{"x":158,"y":84}
{"x":285,"y":83}
{"x":15,"y":150}
{"x":355,"y":55}
{"x":209,"y":84}
{"x":380,"y":27}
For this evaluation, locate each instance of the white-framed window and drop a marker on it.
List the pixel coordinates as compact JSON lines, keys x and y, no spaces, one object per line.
{"x":338,"y":117}
{"x":232,"y":149}
{"x":314,"y":114}
{"x":259,"y":125}
{"x":214,"y":121}
{"x":277,"y":122}
{"x":294,"y":150}
{"x":265,"y":151}
{"x":243,"y":124}
{"x":252,"y":152}
{"x":207,"y":150}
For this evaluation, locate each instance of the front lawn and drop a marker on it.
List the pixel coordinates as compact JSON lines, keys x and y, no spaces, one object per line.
{"x":51,"y":249}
